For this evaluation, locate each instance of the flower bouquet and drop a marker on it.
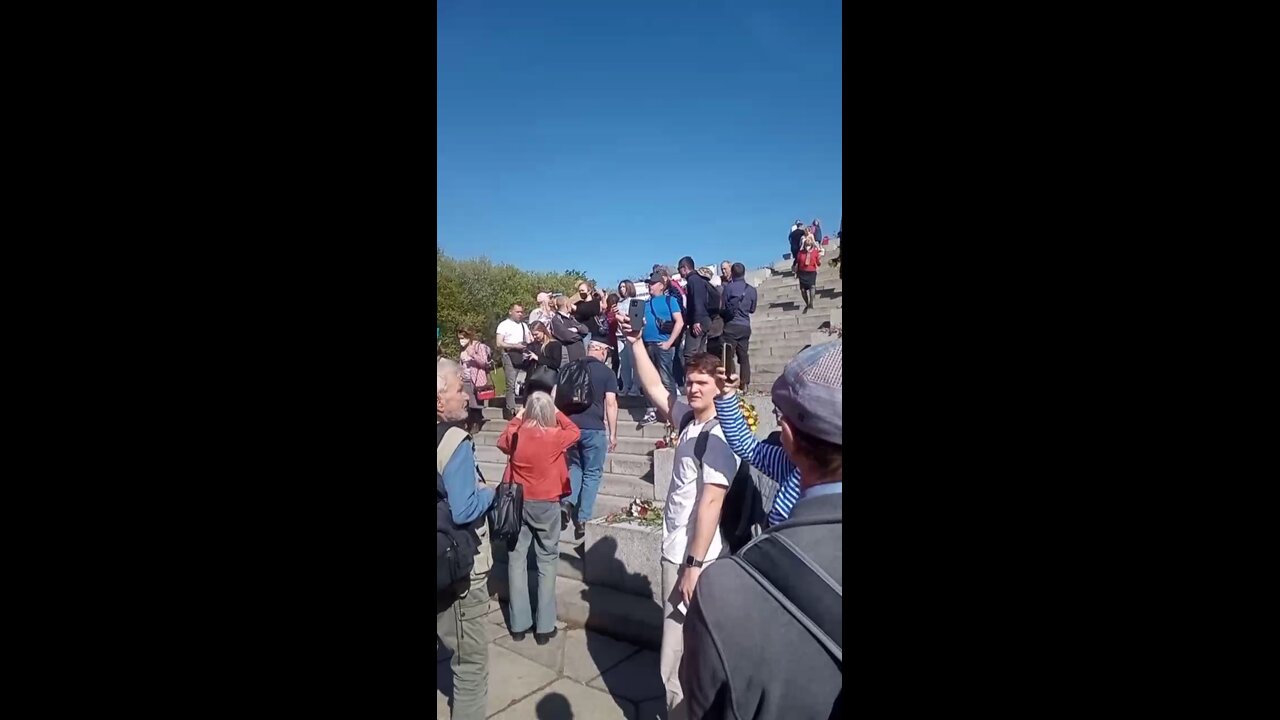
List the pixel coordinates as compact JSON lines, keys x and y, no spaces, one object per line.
{"x":749,"y":412}
{"x":670,"y":440}
{"x":644,"y":512}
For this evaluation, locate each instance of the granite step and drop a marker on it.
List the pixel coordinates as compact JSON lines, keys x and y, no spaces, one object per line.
{"x":628,"y":445}
{"x":612,"y":484}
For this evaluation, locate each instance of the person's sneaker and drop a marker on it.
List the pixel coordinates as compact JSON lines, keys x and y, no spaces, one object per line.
{"x":542,"y":639}
{"x":519,"y":636}
{"x":650,"y":417}
{"x":579,"y":530}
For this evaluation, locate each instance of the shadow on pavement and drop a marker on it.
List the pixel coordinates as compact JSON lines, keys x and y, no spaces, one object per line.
{"x":603,"y":650}
{"x":554,"y":707}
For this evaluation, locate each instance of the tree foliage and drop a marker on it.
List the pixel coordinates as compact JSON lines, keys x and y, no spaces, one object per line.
{"x":477,"y":293}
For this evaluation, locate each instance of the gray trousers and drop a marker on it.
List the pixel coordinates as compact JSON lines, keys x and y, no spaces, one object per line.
{"x":461,"y":627}
{"x":541,"y":528}
{"x":694,"y":345}
{"x":511,"y":374}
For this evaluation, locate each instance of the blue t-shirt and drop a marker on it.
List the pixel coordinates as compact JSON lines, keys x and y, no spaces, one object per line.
{"x":658,"y":310}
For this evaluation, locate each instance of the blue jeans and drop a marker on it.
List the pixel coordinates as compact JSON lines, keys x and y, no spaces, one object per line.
{"x":586,"y":471}
{"x":663,"y":360}
{"x":627,"y":368}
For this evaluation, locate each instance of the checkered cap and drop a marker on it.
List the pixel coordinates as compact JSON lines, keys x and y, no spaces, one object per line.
{"x":810,"y":392}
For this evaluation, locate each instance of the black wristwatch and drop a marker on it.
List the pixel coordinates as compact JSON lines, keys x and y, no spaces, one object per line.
{"x":690,"y":562}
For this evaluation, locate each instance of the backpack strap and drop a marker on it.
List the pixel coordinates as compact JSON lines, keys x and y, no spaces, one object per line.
{"x":800,"y":587}
{"x":700,"y":445}
{"x":447,"y":444}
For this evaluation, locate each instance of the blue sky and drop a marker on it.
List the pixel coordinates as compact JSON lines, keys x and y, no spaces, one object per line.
{"x":608,"y":136}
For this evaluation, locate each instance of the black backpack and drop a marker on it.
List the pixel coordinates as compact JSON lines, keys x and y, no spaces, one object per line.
{"x":714,"y":303}
{"x":456,"y":546}
{"x":744,"y":513}
{"x":573,"y":391}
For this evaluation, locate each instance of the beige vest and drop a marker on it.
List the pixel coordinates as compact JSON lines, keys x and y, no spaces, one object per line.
{"x":452,"y":439}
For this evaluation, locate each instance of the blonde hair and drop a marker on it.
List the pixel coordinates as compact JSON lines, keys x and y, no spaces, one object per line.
{"x":562,"y":304}
{"x":540,"y":410}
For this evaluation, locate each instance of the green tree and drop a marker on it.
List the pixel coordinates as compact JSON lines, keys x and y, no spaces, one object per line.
{"x":477,"y":293}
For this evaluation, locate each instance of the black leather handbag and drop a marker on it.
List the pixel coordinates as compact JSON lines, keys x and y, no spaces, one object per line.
{"x":508,"y":507}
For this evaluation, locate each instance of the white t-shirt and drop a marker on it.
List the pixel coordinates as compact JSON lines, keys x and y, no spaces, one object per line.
{"x":719,"y":465}
{"x":512,"y":332}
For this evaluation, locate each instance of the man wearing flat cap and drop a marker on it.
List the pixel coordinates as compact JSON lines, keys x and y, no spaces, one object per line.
{"x":782,"y":592}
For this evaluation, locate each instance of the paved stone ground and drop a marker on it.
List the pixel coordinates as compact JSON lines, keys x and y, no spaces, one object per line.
{"x":579,"y":674}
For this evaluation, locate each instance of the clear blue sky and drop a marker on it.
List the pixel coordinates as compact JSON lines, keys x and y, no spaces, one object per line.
{"x":608,"y":136}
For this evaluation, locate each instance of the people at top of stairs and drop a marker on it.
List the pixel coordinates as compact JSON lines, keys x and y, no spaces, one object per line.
{"x":807,"y":270}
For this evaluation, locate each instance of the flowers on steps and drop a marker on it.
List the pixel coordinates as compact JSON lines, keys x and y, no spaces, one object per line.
{"x":644,"y":512}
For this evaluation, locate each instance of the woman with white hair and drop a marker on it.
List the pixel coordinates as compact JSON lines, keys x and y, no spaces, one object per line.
{"x":536,"y":441}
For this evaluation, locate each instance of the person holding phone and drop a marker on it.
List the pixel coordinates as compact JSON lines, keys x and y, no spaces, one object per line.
{"x":663,"y":323}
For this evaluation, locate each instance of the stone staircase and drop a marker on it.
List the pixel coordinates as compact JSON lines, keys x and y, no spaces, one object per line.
{"x":780,"y":328}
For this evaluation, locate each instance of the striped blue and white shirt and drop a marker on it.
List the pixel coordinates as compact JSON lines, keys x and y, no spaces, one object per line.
{"x":768,"y":458}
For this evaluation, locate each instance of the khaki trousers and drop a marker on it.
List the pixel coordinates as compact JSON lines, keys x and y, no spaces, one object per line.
{"x":672,"y":641}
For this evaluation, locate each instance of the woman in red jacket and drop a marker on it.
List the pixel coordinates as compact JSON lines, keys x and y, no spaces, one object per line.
{"x":535,"y":442}
{"x":807,"y":263}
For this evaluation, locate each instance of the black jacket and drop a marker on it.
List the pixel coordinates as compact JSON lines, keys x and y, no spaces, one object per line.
{"x":699,"y":290}
{"x":745,"y":656}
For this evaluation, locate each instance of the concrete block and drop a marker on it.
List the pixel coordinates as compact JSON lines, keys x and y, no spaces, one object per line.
{"x":624,"y":556}
{"x":587,"y":654}
{"x":663,"y":464}
{"x":633,"y":465}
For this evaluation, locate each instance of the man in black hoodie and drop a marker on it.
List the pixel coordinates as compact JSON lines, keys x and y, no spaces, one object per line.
{"x":698,"y":313}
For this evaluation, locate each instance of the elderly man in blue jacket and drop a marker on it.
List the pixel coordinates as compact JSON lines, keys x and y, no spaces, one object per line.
{"x":459,"y":613}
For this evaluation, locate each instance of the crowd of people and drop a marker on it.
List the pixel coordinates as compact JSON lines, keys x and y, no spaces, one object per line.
{"x":781,"y":584}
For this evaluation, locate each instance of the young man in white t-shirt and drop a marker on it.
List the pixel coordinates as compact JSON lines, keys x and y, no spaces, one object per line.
{"x":512,"y":336}
{"x":691,"y":530}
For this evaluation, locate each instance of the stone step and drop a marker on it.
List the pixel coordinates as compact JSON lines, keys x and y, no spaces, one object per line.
{"x":635,"y":466}
{"x":612,"y":484}
{"x":630,"y":445}
{"x":628,"y":423}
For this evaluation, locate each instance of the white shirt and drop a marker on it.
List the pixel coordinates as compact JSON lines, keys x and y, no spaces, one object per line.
{"x":512,"y":332}
{"x":719,"y":465}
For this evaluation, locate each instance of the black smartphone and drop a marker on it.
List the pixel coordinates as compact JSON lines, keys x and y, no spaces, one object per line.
{"x":635,"y":311}
{"x":729,"y":360}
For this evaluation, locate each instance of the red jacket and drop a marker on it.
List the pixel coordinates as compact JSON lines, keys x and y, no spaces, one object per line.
{"x":808,"y":260}
{"x":539,"y":463}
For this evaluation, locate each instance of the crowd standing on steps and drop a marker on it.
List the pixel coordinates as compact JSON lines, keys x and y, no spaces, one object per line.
{"x":693,"y":321}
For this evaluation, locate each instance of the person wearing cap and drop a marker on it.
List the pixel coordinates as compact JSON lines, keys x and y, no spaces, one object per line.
{"x":663,"y":322}
{"x":598,"y":424}
{"x":724,"y":674}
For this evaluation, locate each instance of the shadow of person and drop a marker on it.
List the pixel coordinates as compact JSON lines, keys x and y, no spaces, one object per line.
{"x":604,"y":611}
{"x":554,"y":706}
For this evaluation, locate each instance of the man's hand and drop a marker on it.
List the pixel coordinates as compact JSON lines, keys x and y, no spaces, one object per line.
{"x":729,"y":384}
{"x":624,"y":326}
{"x":688,"y":581}
{"x":668,"y":344}
{"x":697,"y":329}
{"x":613,"y":443}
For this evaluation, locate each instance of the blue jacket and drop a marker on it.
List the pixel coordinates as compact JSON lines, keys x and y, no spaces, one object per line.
{"x":739,"y":302}
{"x":468,"y":500}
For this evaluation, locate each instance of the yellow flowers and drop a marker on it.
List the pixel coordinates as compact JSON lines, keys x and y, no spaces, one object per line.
{"x":749,"y":412}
